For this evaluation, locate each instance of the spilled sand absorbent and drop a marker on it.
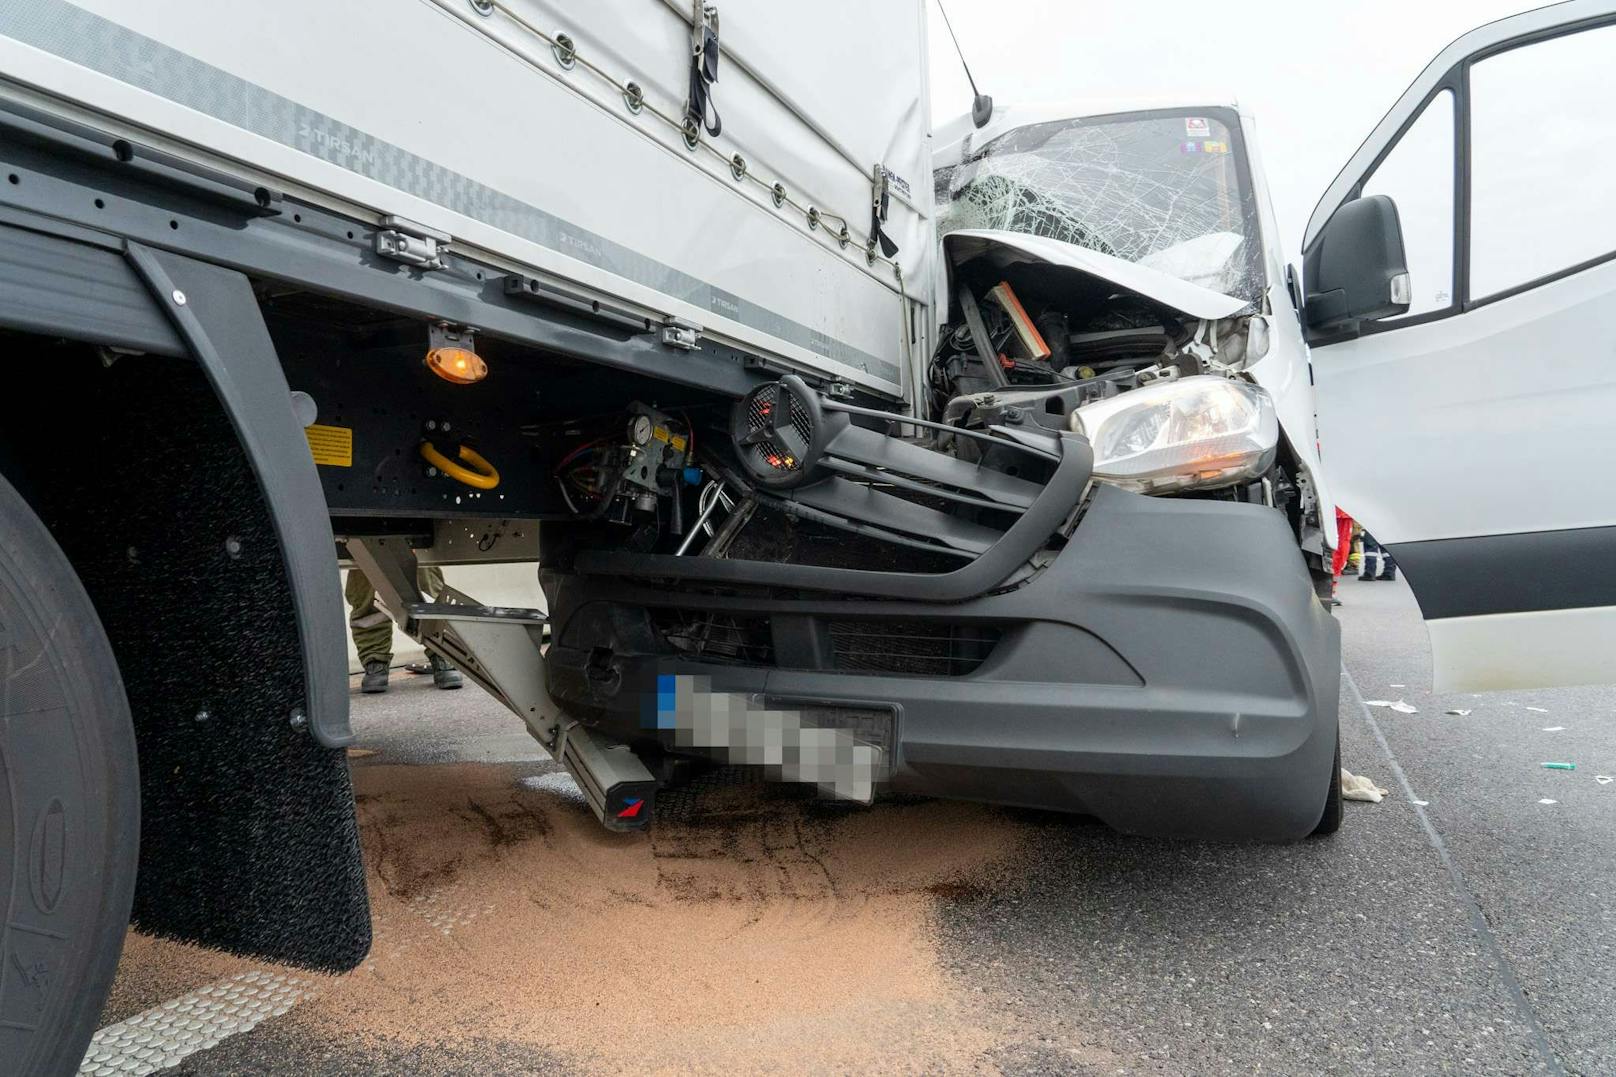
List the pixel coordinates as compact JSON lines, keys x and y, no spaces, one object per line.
{"x":766,"y":936}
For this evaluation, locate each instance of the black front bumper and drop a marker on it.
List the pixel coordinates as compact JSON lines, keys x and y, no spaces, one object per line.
{"x":1170,"y":672}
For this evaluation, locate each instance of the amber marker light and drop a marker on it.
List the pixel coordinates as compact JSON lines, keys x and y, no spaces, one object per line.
{"x":462,"y":366}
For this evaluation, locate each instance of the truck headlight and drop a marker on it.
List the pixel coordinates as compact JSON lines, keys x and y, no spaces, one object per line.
{"x":1187,"y":434}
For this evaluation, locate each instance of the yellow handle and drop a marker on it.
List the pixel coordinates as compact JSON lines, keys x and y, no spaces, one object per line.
{"x":484,"y":478}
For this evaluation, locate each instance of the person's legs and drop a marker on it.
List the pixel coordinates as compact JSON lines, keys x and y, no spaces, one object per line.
{"x":1388,"y":567}
{"x":1372,"y":556}
{"x":372,"y":632}
{"x":429,"y":579}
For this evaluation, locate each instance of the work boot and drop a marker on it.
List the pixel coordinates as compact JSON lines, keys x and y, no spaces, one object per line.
{"x":375,"y":676}
{"x":443,"y":674}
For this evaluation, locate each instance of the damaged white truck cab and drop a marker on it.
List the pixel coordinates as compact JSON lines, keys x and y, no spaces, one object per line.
{"x":1440,"y":366}
{"x":1148,"y":233}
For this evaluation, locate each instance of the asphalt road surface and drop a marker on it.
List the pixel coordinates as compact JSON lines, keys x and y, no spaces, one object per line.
{"x":1467,"y":924}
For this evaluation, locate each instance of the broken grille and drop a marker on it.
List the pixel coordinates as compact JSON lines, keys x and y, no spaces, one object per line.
{"x":914,"y":647}
{"x":716,"y":637}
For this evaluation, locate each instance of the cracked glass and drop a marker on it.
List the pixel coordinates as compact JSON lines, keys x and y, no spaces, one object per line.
{"x":1170,"y":192}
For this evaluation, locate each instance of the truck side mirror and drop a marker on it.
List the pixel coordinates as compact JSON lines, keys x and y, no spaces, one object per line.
{"x":1356,"y":270}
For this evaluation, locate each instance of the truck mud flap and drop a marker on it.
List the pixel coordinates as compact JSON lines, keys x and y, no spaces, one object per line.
{"x":184,"y":495}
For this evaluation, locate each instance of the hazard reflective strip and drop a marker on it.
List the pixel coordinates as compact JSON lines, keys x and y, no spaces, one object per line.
{"x":165,"y":1035}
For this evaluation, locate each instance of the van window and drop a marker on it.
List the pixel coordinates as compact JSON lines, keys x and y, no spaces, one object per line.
{"x":1418,"y":176}
{"x":1542,"y":158}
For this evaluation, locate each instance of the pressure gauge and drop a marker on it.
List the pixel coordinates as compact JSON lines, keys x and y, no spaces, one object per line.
{"x":639,"y":430}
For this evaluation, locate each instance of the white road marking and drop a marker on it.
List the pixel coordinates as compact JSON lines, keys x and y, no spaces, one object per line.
{"x":164,"y":1035}
{"x":1478,"y":920}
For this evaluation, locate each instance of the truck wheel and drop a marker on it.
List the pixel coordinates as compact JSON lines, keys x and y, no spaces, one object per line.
{"x":1330,"y":821}
{"x":69,"y":803}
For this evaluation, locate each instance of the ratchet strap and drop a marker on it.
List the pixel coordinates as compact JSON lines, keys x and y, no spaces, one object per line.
{"x":703,"y":71}
{"x":880,"y":200}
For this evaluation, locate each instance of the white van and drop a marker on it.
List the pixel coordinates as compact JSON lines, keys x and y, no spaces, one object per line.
{"x":1453,"y":335}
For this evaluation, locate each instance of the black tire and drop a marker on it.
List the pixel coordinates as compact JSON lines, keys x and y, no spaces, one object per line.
{"x":1323,"y":585}
{"x":69,"y":803}
{"x":1330,"y":821}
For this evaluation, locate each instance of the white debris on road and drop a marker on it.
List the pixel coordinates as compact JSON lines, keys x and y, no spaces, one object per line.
{"x":1400,"y":706}
{"x":1358,"y":787}
{"x":1460,"y":711}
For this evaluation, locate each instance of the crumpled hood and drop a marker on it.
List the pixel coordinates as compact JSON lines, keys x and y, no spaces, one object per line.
{"x":1013,"y":247}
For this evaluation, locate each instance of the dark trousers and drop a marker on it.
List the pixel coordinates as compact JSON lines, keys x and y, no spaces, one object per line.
{"x":1387,"y":567}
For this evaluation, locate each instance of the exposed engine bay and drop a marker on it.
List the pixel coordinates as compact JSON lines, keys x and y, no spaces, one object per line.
{"x":1153,"y":375}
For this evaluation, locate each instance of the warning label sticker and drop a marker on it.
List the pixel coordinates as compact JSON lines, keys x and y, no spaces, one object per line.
{"x":331,"y":445}
{"x":662,"y":433}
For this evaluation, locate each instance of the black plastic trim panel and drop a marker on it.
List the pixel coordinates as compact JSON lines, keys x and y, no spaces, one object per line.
{"x":61,"y":286}
{"x":1519,"y":573}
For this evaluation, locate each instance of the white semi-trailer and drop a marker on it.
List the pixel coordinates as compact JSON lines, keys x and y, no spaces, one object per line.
{"x":995,"y":475}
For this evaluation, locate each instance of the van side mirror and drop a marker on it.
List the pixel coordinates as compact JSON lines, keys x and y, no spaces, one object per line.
{"x":1356,"y":270}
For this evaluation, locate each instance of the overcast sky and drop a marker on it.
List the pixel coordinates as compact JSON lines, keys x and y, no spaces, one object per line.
{"x":1317,"y":76}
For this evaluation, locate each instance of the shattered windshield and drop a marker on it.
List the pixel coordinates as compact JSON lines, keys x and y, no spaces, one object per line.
{"x":1168,"y":191}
